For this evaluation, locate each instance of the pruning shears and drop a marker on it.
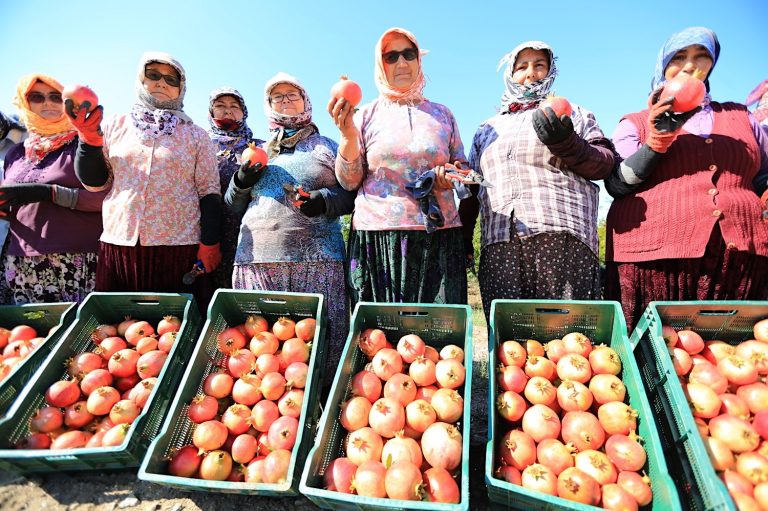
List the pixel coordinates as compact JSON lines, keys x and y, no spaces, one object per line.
{"x":456,"y":172}
{"x":197,"y":269}
{"x":295,"y":194}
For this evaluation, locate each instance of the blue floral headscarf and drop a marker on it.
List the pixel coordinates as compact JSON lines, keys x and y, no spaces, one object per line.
{"x":687,"y":37}
{"x":229,"y":141}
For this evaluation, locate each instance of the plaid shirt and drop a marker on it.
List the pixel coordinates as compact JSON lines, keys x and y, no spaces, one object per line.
{"x":532,"y":185}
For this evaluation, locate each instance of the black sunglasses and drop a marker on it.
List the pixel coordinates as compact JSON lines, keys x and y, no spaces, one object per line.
{"x":155,"y":76}
{"x":393,"y":56}
{"x":39,"y":97}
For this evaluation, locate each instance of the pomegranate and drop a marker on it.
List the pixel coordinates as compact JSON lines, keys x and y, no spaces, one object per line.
{"x":636,"y":485}
{"x":541,"y":422}
{"x":583,"y":430}
{"x":339,"y":475}
{"x":513,"y":378}
{"x":284,"y":328}
{"x":401,"y":448}
{"x":441,"y":445}
{"x":439,"y":486}
{"x":690,"y":341}
{"x":403,"y":481}
{"x":575,"y":485}
{"x":517,"y":449}
{"x":101,"y":400}
{"x":62,"y":393}
{"x":263,"y":414}
{"x":369,"y":479}
{"x":386,"y":363}
{"x":419,"y":415}
{"x":124,"y":411}
{"x":558,"y":104}
{"x":512,"y":353}
{"x":687,"y":90}
{"x":387,"y":417}
{"x":138,"y":330}
{"x":230,"y":339}
{"x":354,"y":413}
{"x":71,"y":440}
{"x":450,"y":373}
{"x":282,"y":433}
{"x":364,"y":445}
{"x":254,"y":155}
{"x":452,"y":351}
{"x":46,"y":419}
{"x":557,"y":456}
{"x":218,"y":384}
{"x":79,"y":94}
{"x":368,"y":385}
{"x":371,"y":340}
{"x":761,"y":330}
{"x":607,"y":387}
{"x":625,"y":452}
{"x":296,"y":375}
{"x":216,"y":466}
{"x":348,"y":90}
{"x":151,"y":363}
{"x":539,"y":390}
{"x":614,"y":497}
{"x":210,"y":435}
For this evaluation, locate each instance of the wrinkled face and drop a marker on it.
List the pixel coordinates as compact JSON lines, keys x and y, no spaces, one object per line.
{"x":227,"y":107}
{"x":286,"y":99}
{"x":402,"y":72}
{"x":530,"y":66}
{"x":156,"y":77}
{"x":45,"y":101}
{"x":692,"y":60}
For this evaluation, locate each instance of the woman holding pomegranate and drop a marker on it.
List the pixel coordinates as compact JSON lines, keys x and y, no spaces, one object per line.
{"x":163,"y":207}
{"x":290,"y":240}
{"x":54,"y":222}
{"x":227,"y":115}
{"x":395,"y":254}
{"x":539,"y":221}
{"x":686,"y":222}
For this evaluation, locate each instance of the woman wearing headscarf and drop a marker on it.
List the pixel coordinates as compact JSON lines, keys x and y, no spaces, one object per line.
{"x":539,"y":220}
{"x":163,"y":209}
{"x":291,"y":240}
{"x":405,"y":244}
{"x":54,"y":222}
{"x":686,"y":220}
{"x":227,"y":117}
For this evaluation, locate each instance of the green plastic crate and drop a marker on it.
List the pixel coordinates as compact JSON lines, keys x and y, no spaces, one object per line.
{"x":730,"y":321}
{"x":42,"y":317}
{"x":229,"y":308}
{"x":438,"y":326}
{"x":544,"y":320}
{"x":96,"y":309}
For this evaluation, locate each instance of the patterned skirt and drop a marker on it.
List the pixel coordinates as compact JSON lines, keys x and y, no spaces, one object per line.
{"x":407,"y":266}
{"x":324,"y":277}
{"x":50,"y":278}
{"x":721,"y":274}
{"x":157,"y":269}
{"x":548,"y":266}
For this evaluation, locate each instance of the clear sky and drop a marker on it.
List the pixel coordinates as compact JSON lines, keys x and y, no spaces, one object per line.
{"x":606,"y":49}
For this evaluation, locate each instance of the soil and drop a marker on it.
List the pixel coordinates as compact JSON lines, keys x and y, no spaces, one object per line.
{"x":108,"y":491}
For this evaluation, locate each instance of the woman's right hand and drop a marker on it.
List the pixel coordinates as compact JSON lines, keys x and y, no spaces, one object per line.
{"x":342,"y":112}
{"x":88,"y":125}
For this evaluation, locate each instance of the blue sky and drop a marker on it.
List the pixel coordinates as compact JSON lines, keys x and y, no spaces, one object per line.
{"x":606,"y":50}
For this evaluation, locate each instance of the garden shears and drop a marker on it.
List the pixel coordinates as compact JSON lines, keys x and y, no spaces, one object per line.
{"x":456,"y":172}
{"x":295,"y":194}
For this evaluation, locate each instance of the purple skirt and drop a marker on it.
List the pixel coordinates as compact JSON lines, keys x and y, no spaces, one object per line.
{"x":721,"y":274}
{"x":157,"y":269}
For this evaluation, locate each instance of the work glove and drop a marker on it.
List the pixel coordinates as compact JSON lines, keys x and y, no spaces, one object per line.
{"x":24,"y":193}
{"x":248,"y":175}
{"x":314,"y":205}
{"x":663,"y":124}
{"x":210,"y":255}
{"x":549,"y":128}
{"x":88,"y":125}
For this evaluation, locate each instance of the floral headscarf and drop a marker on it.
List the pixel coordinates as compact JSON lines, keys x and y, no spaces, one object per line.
{"x":518,"y":93}
{"x":414,"y":93}
{"x":151,"y":117}
{"x":687,"y":37}
{"x":229,"y":141}
{"x":45,"y":135}
{"x":287,"y":130}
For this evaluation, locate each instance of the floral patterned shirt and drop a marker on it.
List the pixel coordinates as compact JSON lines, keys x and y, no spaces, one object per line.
{"x":398,"y":143}
{"x":156,"y":184}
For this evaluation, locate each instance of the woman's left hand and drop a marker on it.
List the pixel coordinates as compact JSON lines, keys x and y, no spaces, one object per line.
{"x":24,"y":193}
{"x":441,"y":180}
{"x":550,"y":128}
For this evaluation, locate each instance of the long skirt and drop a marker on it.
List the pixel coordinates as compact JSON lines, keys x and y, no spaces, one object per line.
{"x":548,"y":266}
{"x":324,"y":277}
{"x":407,"y":266}
{"x":50,"y":278}
{"x":158,"y":269}
{"x":721,"y":274}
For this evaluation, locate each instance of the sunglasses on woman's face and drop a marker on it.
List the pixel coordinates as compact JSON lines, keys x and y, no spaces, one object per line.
{"x":155,"y":76}
{"x":39,"y":97}
{"x":408,"y":54}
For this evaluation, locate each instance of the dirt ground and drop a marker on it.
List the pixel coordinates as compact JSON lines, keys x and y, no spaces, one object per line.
{"x":108,"y":491}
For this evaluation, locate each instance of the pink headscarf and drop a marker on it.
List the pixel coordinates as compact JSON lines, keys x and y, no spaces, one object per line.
{"x":413,"y":94}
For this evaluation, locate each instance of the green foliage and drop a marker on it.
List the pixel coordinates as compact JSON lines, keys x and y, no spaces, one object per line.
{"x":601,"y":239}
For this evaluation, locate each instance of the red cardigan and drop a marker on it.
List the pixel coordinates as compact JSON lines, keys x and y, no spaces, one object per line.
{"x":699,"y":183}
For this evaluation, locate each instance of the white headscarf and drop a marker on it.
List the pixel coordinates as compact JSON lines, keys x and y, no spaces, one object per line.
{"x":518,"y":92}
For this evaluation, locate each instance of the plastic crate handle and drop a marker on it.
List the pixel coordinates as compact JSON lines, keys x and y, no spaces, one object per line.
{"x":728,"y":312}
{"x":542,"y":310}
{"x":272,"y":300}
{"x":413,"y":313}
{"x":146,"y":302}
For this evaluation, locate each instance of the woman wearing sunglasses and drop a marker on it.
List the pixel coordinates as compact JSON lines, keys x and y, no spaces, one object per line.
{"x":54,"y":222}
{"x":163,"y":209}
{"x":290,"y":234}
{"x":539,"y":221}
{"x":392,"y":150}
{"x":689,"y":219}
{"x":227,"y":118}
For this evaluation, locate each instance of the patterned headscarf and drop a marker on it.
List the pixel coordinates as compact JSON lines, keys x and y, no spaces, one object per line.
{"x":687,"y":37}
{"x":413,"y":94}
{"x":151,"y":116}
{"x":287,"y":130}
{"x":518,"y":93}
{"x":229,"y":141}
{"x":45,"y":135}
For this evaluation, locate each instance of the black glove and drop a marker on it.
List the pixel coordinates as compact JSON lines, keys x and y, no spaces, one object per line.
{"x":667,"y":121}
{"x":549,"y":128}
{"x":24,"y":193}
{"x":248,"y":175}
{"x":314,"y":205}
